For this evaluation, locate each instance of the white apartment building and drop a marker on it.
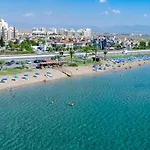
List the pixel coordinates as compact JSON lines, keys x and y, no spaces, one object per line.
{"x":12,"y":33}
{"x":63,"y":31}
{"x":39,"y":32}
{"x":3,"y":29}
{"x":79,"y":32}
{"x":8,"y":33}
{"x":87,"y":32}
{"x":71,"y":32}
{"x":52,"y":31}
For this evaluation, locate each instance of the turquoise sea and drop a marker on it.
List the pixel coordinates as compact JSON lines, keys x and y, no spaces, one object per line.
{"x":111,"y":112}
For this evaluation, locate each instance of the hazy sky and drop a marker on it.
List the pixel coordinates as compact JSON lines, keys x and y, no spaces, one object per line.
{"x":24,"y":13}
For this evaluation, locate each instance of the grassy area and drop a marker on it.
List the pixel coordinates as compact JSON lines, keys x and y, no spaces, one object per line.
{"x":68,"y":59}
{"x":80,"y":62}
{"x":15,"y":52}
{"x":13,"y":71}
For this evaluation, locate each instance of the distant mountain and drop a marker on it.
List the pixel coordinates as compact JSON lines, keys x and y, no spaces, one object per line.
{"x":136,"y":29}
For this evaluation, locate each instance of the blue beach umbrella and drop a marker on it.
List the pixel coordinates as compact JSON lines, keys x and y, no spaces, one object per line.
{"x":26,"y":75}
{"x":37,"y":73}
{"x":4,"y":79}
{"x":16,"y":77}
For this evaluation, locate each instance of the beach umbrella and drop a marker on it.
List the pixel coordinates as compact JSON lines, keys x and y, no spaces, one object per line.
{"x":16,"y":77}
{"x":4,"y":79}
{"x":26,"y":75}
{"x":37,"y":73}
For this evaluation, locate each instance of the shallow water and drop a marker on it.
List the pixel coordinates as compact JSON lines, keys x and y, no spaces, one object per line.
{"x":111,"y":112}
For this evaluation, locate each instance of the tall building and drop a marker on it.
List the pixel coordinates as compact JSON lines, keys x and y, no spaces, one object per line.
{"x":12,"y":33}
{"x":71,"y":32}
{"x":52,"y":31}
{"x":87,"y":33}
{"x":39,"y":32}
{"x":3,"y":29}
{"x":79,"y":32}
{"x":7,"y":33}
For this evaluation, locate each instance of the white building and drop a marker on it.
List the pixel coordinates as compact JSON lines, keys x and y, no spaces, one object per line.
{"x":87,"y":33}
{"x":52,"y":31}
{"x":39,"y":32}
{"x":12,"y":33}
{"x":8,"y":33}
{"x":3,"y":29}
{"x":80,"y":32}
{"x":63,"y":31}
{"x":71,"y":32}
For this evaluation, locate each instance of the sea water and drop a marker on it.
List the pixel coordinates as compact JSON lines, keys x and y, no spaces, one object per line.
{"x":111,"y":112}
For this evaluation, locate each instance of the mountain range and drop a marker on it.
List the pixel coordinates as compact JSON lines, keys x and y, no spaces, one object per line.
{"x":135,"y":29}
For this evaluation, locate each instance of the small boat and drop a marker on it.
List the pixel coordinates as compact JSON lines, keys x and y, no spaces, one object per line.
{"x":71,"y":104}
{"x":52,"y":102}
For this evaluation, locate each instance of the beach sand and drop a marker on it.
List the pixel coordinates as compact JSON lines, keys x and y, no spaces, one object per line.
{"x":76,"y":71}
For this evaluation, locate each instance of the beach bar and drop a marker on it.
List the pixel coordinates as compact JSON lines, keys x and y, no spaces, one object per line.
{"x":48,"y":64}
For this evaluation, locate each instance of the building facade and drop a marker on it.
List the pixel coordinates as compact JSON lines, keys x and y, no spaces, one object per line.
{"x":6,"y":32}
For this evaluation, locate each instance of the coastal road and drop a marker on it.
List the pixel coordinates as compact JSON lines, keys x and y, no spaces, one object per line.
{"x":40,"y":56}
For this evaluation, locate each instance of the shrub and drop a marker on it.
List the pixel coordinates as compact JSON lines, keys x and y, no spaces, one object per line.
{"x":73,"y":65}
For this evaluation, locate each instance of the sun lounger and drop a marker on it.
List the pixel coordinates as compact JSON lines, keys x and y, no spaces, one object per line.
{"x":3,"y":80}
{"x":25,"y":78}
{"x":14,"y":78}
{"x":48,"y":74}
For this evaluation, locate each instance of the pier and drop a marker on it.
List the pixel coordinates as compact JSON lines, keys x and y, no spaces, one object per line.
{"x":65,"y":71}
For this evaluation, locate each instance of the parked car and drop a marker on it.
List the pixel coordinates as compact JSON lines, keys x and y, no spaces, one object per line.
{"x":12,"y":62}
{"x":28,"y":62}
{"x":125,"y":51}
{"x":17,"y":62}
{"x":8,"y":63}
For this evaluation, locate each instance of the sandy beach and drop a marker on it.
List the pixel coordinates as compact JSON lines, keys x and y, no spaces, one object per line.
{"x":56,"y":74}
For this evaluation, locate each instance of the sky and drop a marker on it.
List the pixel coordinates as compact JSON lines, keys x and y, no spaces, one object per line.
{"x":86,"y":13}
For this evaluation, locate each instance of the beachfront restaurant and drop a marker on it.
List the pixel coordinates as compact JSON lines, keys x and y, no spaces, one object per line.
{"x":97,"y":59}
{"x":48,"y":64}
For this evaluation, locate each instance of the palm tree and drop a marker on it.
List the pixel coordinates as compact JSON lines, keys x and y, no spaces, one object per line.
{"x":50,"y":49}
{"x":105,"y":53}
{"x":86,"y":50}
{"x":75,"y":48}
{"x":71,"y":52}
{"x":1,"y":64}
{"x":95,"y":50}
{"x":22,"y":64}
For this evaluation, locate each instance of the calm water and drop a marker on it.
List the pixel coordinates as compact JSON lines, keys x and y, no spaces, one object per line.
{"x":110,"y":113}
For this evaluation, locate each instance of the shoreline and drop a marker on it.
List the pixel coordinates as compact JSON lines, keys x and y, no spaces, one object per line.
{"x":57,"y":75}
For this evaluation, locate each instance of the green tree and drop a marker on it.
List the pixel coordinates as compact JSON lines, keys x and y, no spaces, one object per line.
{"x":142,"y":44}
{"x":148,"y":44}
{"x":2,"y":44}
{"x":42,"y":41}
{"x":50,"y":49}
{"x":75,"y":48}
{"x":95,"y":50}
{"x":86,"y":49}
{"x":25,"y":46}
{"x":16,"y":42}
{"x":22,"y":64}
{"x":2,"y":62}
{"x":105,"y":53}
{"x":33,"y":43}
{"x":10,"y":44}
{"x":71,"y":52}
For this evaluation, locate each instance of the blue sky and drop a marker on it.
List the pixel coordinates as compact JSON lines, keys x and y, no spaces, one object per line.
{"x":75,"y":12}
